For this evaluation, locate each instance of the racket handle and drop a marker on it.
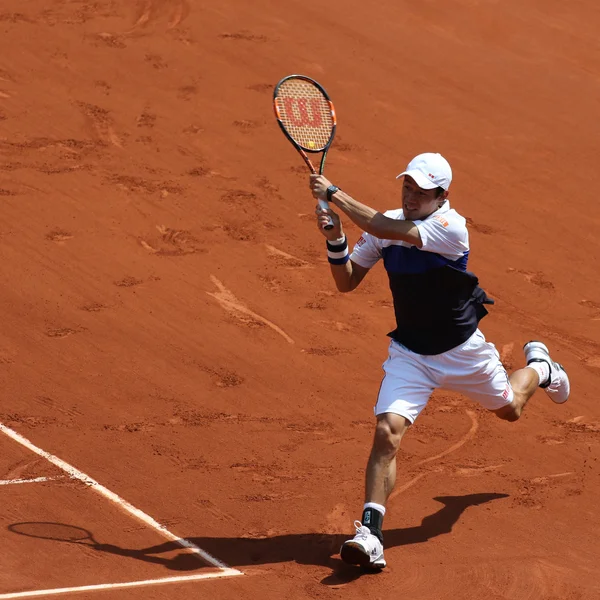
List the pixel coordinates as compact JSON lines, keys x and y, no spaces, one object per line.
{"x":329,"y":225}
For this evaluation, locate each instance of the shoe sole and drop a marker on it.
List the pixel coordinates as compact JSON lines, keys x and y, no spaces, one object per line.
{"x":555,"y":400}
{"x":353,"y":554}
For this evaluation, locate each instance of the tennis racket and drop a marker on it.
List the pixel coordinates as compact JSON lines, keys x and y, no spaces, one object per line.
{"x":307,"y":118}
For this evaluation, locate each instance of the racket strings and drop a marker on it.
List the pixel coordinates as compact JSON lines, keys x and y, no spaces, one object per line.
{"x":305,"y":113}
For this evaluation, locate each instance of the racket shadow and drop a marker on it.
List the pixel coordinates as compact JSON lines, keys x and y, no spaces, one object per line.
{"x":320,"y":549}
{"x":72,"y":534}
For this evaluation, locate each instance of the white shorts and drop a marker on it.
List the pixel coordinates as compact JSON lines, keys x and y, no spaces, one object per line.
{"x":473,"y":368}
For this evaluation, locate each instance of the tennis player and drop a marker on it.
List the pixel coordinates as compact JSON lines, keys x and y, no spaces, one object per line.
{"x":437,"y":342}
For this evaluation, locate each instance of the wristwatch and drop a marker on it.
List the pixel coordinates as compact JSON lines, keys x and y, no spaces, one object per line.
{"x":331,"y":190}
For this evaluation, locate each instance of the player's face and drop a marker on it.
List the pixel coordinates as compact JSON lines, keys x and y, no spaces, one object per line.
{"x":418,"y":203}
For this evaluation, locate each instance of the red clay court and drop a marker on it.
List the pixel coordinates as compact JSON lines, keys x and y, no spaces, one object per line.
{"x":180,"y":380}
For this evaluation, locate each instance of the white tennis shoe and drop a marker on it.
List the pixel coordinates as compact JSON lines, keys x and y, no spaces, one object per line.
{"x":557,"y":386}
{"x":363,"y":549}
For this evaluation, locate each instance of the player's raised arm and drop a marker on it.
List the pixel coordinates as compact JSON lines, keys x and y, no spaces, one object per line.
{"x":368,"y":219}
{"x":346,"y":273}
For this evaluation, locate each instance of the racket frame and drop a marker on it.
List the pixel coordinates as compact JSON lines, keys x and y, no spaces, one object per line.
{"x":301,"y":149}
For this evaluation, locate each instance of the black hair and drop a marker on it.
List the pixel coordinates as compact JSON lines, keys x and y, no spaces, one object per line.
{"x":439,"y":191}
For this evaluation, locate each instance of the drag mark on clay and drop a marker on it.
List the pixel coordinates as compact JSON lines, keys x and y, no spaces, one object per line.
{"x":100,"y":123}
{"x":244,"y":35}
{"x":24,"y":469}
{"x":473,"y":471}
{"x":468,"y":436}
{"x":232,"y":305}
{"x":62,"y":332}
{"x":507,"y":356}
{"x":151,"y":11}
{"x":59,"y":236}
{"x":536,"y":278}
{"x":34,"y":480}
{"x":287,"y":260}
{"x":172,"y":242}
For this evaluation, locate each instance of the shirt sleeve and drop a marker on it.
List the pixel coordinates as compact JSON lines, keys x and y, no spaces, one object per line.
{"x":367,"y":251}
{"x":445,"y":236}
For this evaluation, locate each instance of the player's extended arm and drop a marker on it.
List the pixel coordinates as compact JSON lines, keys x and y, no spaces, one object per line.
{"x":347,"y":277}
{"x":367,"y":218}
{"x":375,"y":223}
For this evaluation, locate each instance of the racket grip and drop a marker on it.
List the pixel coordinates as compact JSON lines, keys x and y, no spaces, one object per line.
{"x":329,"y":225}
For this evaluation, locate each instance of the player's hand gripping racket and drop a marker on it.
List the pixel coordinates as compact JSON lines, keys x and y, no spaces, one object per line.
{"x":307,"y":118}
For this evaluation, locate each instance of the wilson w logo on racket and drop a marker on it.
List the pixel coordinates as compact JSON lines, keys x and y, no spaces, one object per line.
{"x":306,"y":116}
{"x":297,"y":112}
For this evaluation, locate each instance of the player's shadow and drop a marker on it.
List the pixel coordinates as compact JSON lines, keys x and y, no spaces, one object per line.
{"x":304,"y":548}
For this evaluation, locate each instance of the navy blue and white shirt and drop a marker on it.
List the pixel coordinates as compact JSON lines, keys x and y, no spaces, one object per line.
{"x":445,"y":241}
{"x":437,"y":302}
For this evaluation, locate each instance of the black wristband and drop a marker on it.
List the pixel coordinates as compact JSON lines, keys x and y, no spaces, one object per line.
{"x":331,"y":190}
{"x":339,"y":247}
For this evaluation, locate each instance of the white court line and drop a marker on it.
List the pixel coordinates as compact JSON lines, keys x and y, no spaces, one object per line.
{"x":123,"y":504}
{"x":128,"y":584}
{"x":34,"y":480}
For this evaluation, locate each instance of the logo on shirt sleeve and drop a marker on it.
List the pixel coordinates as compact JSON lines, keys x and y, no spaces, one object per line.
{"x":361,"y":241}
{"x":441,"y":220}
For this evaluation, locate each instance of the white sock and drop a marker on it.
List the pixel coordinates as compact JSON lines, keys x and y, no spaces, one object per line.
{"x":378,"y":507}
{"x":542,"y":368}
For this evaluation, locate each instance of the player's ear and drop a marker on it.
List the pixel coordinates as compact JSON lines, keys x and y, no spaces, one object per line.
{"x":442,"y":197}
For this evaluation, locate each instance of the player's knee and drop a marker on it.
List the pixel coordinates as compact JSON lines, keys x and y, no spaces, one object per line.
{"x":387,"y":438}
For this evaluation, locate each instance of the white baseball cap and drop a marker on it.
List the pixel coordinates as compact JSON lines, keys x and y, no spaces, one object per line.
{"x":429,"y":170}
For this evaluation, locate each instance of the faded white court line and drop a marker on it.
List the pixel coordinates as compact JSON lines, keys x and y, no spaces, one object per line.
{"x":128,"y":584}
{"x":469,"y":435}
{"x":34,"y":480}
{"x":123,"y":504}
